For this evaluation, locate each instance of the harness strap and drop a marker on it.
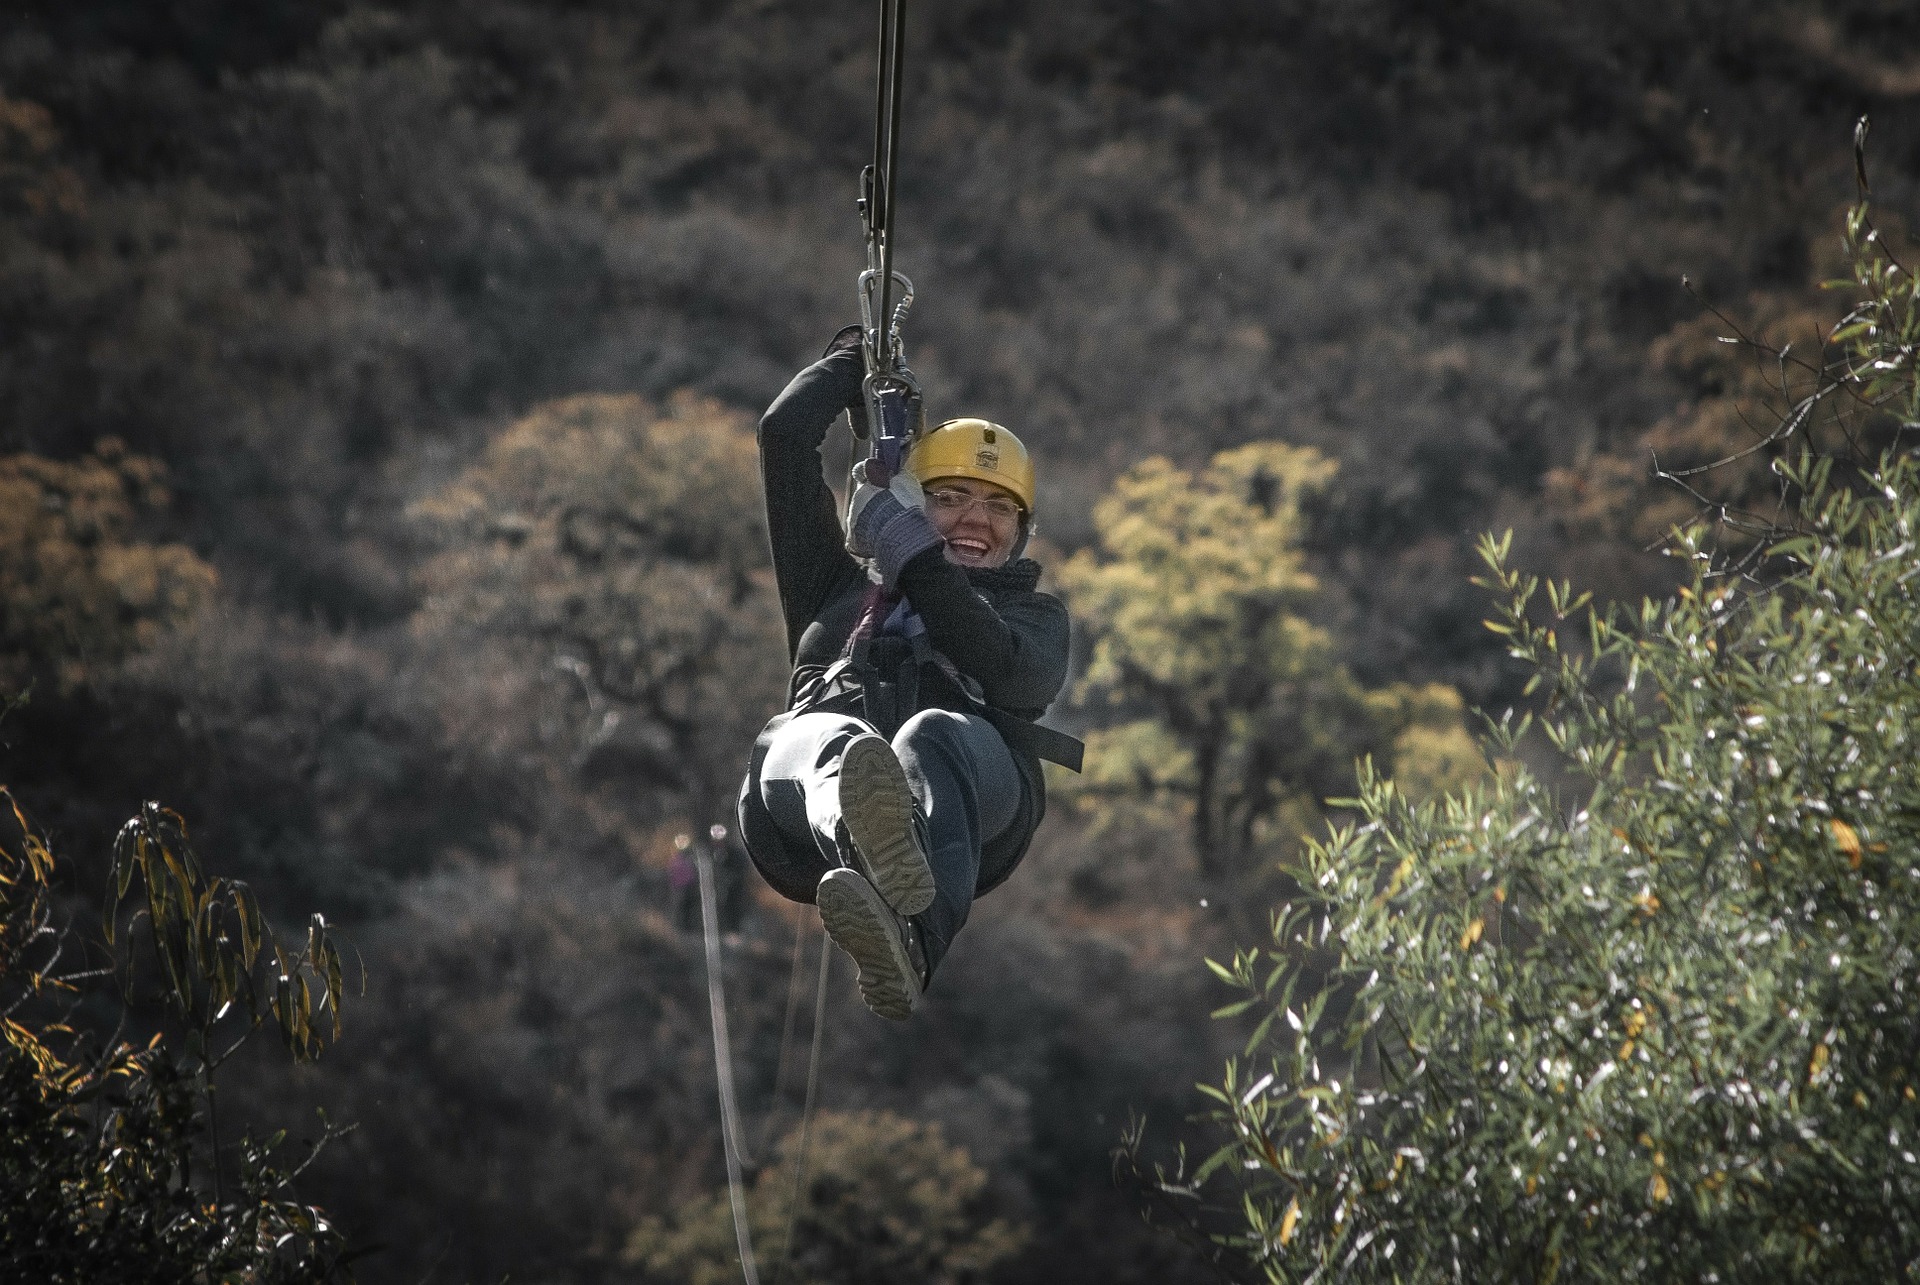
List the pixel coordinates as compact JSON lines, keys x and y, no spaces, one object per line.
{"x":886,"y":702}
{"x":1041,"y":742}
{"x":874,"y":608}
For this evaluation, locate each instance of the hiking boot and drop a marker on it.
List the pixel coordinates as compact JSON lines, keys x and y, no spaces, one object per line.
{"x":879,"y":941}
{"x":877,"y":809}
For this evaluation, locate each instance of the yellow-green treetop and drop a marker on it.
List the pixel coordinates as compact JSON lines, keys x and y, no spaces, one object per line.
{"x":79,"y":588}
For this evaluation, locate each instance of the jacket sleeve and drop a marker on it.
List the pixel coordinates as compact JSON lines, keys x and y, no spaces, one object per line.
{"x":809,"y":551}
{"x":1017,"y":652}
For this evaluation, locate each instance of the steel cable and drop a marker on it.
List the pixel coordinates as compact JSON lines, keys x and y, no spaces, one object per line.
{"x":723,"y":1066}
{"x":730,"y":1128}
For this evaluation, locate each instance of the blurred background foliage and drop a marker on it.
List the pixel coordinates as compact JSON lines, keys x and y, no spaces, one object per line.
{"x":79,"y":589}
{"x":335,"y":332}
{"x":881,"y":1199}
{"x":615,"y":551}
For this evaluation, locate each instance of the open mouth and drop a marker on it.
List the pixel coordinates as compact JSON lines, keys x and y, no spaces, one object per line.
{"x":967,"y":549}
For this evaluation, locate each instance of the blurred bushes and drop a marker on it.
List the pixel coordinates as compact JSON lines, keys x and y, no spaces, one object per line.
{"x":619,"y":548}
{"x":532,"y":1071}
{"x":884,"y":1200}
{"x":80,"y":590}
{"x":330,"y":768}
{"x":1432,"y":244}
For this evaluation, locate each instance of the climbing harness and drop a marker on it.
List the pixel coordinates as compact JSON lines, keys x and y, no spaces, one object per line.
{"x":731,"y":1131}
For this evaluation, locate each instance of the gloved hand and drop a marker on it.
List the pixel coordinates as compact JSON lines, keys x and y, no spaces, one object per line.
{"x":844,"y":359}
{"x":845,"y":339}
{"x":888,"y":524}
{"x":844,"y":353}
{"x":904,"y":488}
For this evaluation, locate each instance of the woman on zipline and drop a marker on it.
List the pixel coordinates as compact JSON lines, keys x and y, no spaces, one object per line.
{"x":903,"y":780}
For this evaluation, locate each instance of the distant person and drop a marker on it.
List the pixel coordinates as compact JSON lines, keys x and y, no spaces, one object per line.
{"x":683,"y":892}
{"x":729,"y":857}
{"x":726,"y":857}
{"x":903,"y":780}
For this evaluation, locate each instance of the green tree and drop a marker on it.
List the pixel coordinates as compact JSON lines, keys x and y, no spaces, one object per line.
{"x":885,"y":1200}
{"x":1236,"y":707}
{"x":1656,"y":1024}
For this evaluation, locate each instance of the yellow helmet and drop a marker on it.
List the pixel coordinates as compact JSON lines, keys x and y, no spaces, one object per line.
{"x":976,"y":449}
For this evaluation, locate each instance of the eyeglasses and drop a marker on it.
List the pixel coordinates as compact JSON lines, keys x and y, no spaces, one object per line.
{"x":950,"y":500}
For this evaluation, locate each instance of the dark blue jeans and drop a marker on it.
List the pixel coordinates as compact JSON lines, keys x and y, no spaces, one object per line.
{"x":959,"y":770}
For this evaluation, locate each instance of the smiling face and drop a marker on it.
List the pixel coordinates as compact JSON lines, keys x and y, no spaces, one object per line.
{"x":976,"y":536}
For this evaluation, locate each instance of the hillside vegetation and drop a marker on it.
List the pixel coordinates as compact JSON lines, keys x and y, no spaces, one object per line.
{"x":374,"y":436}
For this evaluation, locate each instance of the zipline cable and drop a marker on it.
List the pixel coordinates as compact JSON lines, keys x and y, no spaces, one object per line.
{"x":730,"y":1127}
{"x":786,"y":1030}
{"x":886,"y":155}
{"x":891,"y":393}
{"x":723,"y":1064}
{"x":806,"y":1112}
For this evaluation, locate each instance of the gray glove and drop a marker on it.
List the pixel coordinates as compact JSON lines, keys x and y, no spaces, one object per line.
{"x":889,"y":526}
{"x":905,"y":488}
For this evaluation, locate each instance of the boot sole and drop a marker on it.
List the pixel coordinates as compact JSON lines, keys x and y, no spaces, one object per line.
{"x":877,"y":808}
{"x":860,"y":924}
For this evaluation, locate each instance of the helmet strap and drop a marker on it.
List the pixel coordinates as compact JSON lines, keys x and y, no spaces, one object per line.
{"x":1026,"y":533}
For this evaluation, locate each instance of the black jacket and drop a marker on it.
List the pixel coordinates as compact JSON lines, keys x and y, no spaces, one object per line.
{"x":993,"y":625}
